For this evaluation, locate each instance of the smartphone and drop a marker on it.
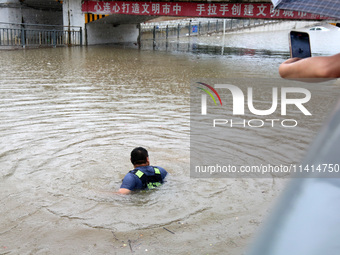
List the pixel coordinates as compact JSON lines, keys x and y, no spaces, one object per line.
{"x":299,"y":45}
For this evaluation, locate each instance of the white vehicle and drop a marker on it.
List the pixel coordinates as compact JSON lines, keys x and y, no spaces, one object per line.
{"x":318,"y":29}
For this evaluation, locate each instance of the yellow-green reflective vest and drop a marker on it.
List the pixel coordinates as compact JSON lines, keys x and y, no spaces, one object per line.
{"x":149,"y":181}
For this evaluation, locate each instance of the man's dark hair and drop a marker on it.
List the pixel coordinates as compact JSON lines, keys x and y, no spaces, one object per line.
{"x":139,"y":155}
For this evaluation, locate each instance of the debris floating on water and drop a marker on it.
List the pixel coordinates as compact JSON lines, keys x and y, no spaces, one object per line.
{"x":168,"y":230}
{"x":130,"y":245}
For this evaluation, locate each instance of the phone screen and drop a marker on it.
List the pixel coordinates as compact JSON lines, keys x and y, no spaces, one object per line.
{"x":299,"y":45}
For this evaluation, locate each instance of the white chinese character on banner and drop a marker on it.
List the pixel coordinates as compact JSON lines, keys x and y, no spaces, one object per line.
{"x":166,"y":8}
{"x":116,"y":8}
{"x":212,"y":9}
{"x":274,"y":12}
{"x":97,"y":7}
{"x":224,"y":8}
{"x":155,"y":8}
{"x":249,"y":10}
{"x":125,"y":8}
{"x":135,"y":8}
{"x":236,"y":10}
{"x":200,"y":9}
{"x":261,"y":8}
{"x":106,"y":7}
{"x":177,"y":8}
{"x":288,"y":13}
{"x":145,"y":8}
{"x":302,"y":14}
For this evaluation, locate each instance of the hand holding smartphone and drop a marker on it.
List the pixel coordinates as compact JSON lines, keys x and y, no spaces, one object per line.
{"x":299,"y":45}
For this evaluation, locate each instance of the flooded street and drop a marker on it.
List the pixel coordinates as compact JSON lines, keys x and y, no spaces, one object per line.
{"x":69,"y":118}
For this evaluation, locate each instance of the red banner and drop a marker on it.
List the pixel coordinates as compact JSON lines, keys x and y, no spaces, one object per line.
{"x":190,"y":9}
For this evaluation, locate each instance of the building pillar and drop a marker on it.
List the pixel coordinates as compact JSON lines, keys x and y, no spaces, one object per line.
{"x":10,"y":11}
{"x":74,"y":17}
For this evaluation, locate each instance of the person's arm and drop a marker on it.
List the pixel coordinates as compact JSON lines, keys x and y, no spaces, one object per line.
{"x":124,"y":191}
{"x":164,"y":173}
{"x":313,"y":67}
{"x":128,"y":184}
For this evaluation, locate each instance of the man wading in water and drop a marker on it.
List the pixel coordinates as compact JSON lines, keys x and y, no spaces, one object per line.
{"x":143,"y":176}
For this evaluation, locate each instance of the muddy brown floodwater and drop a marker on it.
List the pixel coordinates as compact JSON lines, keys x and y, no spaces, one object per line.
{"x":69,"y":118}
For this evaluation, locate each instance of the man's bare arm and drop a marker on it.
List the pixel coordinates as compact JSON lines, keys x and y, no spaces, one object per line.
{"x":124,"y":191}
{"x":314,"y":67}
